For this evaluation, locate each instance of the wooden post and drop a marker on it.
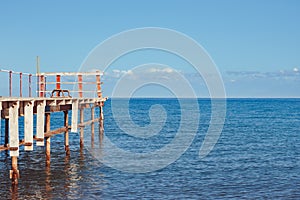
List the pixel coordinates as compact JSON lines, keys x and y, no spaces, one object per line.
{"x":14,"y":174}
{"x":14,"y":140}
{"x":10,"y":83}
{"x":101,"y":118}
{"x":99,"y":92}
{"x":80,"y":85}
{"x":74,"y":116}
{"x":6,"y":132}
{"x":29,"y":85}
{"x":66,"y":124}
{"x":81,"y":128}
{"x":40,"y":123}
{"x":92,"y":125}
{"x":28,"y":125}
{"x":48,"y":139}
{"x":21,"y":84}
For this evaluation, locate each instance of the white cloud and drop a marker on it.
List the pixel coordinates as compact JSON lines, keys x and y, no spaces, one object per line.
{"x":296,"y":69}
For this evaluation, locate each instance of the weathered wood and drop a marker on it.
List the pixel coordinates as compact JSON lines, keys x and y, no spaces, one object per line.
{"x":14,"y":173}
{"x":28,"y":125}
{"x":14,"y":128}
{"x":88,"y":122}
{"x":101,"y":119}
{"x":66,"y":124}
{"x":48,"y":139}
{"x":74,"y":116}
{"x":6,"y":133}
{"x":40,"y":123}
{"x":81,"y":128}
{"x":56,"y":131}
{"x":92,"y":126}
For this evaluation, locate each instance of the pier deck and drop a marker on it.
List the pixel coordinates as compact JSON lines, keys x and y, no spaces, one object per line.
{"x":12,"y":108}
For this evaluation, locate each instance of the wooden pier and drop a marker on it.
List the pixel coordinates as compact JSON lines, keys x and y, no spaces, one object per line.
{"x":59,"y":100}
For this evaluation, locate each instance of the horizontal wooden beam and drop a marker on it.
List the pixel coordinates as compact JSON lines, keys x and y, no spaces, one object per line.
{"x":88,"y":122}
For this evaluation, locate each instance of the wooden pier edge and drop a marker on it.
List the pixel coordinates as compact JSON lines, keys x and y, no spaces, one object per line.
{"x":12,"y":108}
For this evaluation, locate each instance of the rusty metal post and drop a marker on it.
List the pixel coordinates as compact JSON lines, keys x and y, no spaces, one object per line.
{"x":6,"y":132}
{"x":42,"y":86}
{"x":29,"y":84}
{"x":14,"y":173}
{"x":81,"y":128}
{"x":92,"y":125}
{"x":57,"y":84}
{"x":99,"y":93}
{"x":48,"y":139}
{"x":66,"y":124}
{"x":10,"y":83}
{"x":20,"y":84}
{"x":80,"y":85}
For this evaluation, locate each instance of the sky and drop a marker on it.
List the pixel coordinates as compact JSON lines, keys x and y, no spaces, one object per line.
{"x":255,"y":44}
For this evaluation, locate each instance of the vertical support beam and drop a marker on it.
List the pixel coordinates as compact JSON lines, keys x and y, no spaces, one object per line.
{"x":14,"y":128}
{"x":29,"y":85}
{"x":48,"y":139}
{"x":92,"y":125}
{"x":57,"y":84}
{"x":81,"y":128}
{"x":6,"y":132}
{"x":99,"y":92}
{"x":14,"y":140}
{"x":66,"y":124}
{"x":20,"y":84}
{"x":80,"y":85}
{"x":10,"y":83}
{"x":40,"y":123}
{"x":74,"y":116}
{"x":101,"y":118}
{"x":14,"y":173}
{"x":42,"y":86}
{"x":28,"y":125}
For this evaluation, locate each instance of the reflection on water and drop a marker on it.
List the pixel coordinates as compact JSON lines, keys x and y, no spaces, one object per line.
{"x":66,"y":176}
{"x":257,"y":156}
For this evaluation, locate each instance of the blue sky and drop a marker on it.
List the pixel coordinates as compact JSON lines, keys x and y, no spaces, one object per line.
{"x":255,"y":44}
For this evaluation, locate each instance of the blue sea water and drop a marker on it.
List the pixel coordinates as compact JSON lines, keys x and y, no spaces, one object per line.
{"x":256,"y":156}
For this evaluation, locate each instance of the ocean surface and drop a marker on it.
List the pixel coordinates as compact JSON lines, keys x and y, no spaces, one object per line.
{"x":257,"y":155}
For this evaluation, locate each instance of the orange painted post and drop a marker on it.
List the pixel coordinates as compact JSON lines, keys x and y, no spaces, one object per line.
{"x":80,"y":85}
{"x":98,"y":86}
{"x":42,"y":86}
{"x":57,"y":84}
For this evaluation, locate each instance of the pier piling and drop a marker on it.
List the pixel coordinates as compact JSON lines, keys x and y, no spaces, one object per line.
{"x":12,"y":108}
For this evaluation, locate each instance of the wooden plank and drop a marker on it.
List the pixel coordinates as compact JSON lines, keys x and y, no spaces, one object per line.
{"x":74,"y":116}
{"x":48,"y":139}
{"x":56,"y":131}
{"x":28,"y":125}
{"x":83,"y":124}
{"x":40,"y":122}
{"x":14,"y":129}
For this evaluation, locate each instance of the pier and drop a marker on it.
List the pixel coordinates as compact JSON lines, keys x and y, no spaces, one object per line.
{"x":53,"y":92}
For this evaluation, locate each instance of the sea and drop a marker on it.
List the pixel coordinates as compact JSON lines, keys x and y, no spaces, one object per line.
{"x":256,"y":155}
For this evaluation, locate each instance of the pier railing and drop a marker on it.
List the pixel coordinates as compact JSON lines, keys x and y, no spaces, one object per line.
{"x":83,"y":91}
{"x":78,"y":84}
